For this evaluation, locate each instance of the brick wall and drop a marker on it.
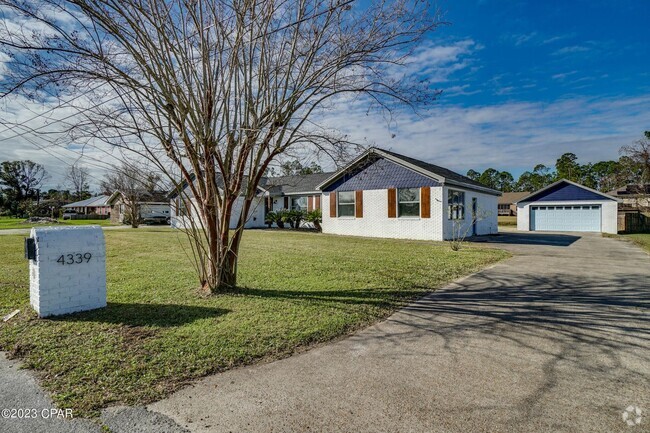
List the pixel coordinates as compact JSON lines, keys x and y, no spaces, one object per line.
{"x":76,"y":285}
{"x":375,"y":221}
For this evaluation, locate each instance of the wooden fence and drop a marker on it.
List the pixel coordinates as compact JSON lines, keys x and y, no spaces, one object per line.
{"x":633,"y":222}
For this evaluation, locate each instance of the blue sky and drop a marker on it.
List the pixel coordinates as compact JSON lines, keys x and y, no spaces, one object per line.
{"x":544,"y":50}
{"x":525,"y":81}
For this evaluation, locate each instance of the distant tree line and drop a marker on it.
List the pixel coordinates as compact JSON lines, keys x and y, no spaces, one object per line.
{"x":633,"y":167}
{"x":21,"y":193}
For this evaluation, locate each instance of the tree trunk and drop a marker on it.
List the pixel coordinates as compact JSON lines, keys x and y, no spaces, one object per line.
{"x":220,"y":273}
{"x":135,"y":215}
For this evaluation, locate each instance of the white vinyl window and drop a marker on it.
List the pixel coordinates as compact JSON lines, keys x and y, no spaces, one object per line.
{"x":456,"y":205}
{"x":299,"y":203}
{"x":408,"y":202}
{"x":345,"y":203}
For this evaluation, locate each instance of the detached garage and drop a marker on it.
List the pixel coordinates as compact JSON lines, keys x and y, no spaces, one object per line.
{"x":566,"y":206}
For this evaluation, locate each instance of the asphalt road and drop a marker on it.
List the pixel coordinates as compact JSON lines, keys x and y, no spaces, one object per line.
{"x":555,"y":339}
{"x":27,"y":230}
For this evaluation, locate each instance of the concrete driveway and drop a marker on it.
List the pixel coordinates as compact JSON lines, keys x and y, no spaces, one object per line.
{"x":555,"y":339}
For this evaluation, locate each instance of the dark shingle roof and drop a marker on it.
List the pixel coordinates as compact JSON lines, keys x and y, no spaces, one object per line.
{"x":436,"y":169}
{"x":512,"y":197}
{"x":100,"y":200}
{"x":295,"y":184}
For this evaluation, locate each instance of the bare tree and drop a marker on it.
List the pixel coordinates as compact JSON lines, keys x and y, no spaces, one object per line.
{"x":638,"y":158}
{"x":21,"y":181}
{"x":134,"y":184}
{"x":214,"y":91}
{"x":77,"y":177}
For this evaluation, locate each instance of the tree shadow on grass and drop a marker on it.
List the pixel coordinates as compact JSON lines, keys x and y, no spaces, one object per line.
{"x":155,"y":315}
{"x":372,"y":296}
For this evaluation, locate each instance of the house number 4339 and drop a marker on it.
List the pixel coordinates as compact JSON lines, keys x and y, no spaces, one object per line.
{"x":75,"y":258}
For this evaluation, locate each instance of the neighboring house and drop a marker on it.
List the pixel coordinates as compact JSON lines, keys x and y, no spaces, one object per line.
{"x":297,"y":192}
{"x":184,"y":209}
{"x":567,"y":206}
{"x":94,"y":205}
{"x":508,"y":202}
{"x":633,"y":197}
{"x":273,"y":194}
{"x":388,"y":195}
{"x":152,"y":207}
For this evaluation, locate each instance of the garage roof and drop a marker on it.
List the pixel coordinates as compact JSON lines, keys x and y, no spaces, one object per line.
{"x":566,"y":190}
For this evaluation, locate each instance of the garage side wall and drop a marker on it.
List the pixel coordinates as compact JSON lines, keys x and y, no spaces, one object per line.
{"x":523,"y":217}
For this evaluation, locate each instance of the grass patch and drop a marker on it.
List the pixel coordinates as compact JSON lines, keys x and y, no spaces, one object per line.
{"x":507,"y":220}
{"x":641,"y":239}
{"x":17,"y":223}
{"x":157,"y":334}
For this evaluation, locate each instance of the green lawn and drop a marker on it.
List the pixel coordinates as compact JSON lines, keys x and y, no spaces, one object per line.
{"x":642,"y":239}
{"x":507,"y":220}
{"x":157,"y":332}
{"x":17,"y":223}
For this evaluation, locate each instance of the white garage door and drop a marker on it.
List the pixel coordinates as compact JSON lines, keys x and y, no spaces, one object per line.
{"x":584,"y":218}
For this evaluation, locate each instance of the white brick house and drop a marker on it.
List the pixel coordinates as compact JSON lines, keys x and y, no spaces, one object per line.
{"x":379,"y":194}
{"x":385,"y":194}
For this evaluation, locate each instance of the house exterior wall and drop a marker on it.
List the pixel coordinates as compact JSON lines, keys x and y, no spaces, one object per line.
{"x":255,"y":215}
{"x":487,"y":211}
{"x":375,"y":221}
{"x":87,"y":210}
{"x":278,"y":202}
{"x":608,"y":217}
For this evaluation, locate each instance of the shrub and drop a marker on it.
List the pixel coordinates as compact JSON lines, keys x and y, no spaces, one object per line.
{"x":280,"y":218}
{"x":315,"y":217}
{"x":270,"y":218}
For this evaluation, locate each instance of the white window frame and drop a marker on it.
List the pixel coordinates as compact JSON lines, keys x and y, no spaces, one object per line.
{"x":353,"y":204}
{"x":418,"y":201}
{"x":460,"y":205}
{"x":293,"y":199}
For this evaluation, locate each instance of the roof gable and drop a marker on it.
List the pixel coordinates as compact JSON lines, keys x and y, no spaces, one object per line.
{"x":565,"y":190}
{"x":379,"y":173}
{"x":425,"y":170}
{"x":436,"y":169}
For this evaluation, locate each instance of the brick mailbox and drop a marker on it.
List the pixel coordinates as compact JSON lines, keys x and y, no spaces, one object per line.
{"x":67,"y":269}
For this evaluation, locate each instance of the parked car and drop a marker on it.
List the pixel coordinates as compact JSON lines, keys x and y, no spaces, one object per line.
{"x":69,"y":213}
{"x":154,"y":218}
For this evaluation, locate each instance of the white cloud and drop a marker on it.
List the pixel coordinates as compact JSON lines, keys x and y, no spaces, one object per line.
{"x":513,"y":135}
{"x":563,"y":75}
{"x":438,"y":62}
{"x":519,"y":39}
{"x":35,"y":131}
{"x":573,"y":49}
